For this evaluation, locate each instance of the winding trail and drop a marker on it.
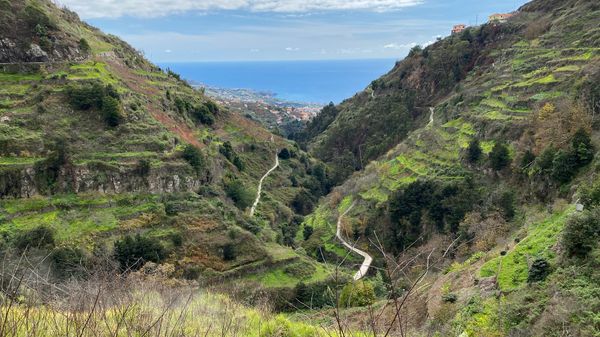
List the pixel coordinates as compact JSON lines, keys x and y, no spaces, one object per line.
{"x":364,"y":268}
{"x":253,"y":209}
{"x":432,"y":110}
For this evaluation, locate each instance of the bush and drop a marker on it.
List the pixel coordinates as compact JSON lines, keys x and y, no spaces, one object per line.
{"x":307,"y":232}
{"x":539,"y":270}
{"x":40,"y":237}
{"x":86,"y":96}
{"x":583,"y":148}
{"x":564,"y":166}
{"x":111,"y":109}
{"x":194,"y":157}
{"x":143,"y":167}
{"x":133,"y":251}
{"x":229,"y":253}
{"x":95,"y":96}
{"x":241,"y":196}
{"x":192,"y":273}
{"x":357,"y":294}
{"x":499,"y":157}
{"x":582,"y":233}
{"x":303,"y":203}
{"x":449,"y":298}
{"x":84,"y":46}
{"x":474,"y":151}
{"x":68,"y":261}
{"x":284,"y":154}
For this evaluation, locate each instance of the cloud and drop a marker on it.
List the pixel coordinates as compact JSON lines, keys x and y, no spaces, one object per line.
{"x":168,"y":51}
{"x":399,"y":46}
{"x":157,"y":8}
{"x":292,"y":49}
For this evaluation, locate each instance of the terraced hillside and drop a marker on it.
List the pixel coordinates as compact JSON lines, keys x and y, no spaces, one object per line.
{"x":487,"y":187}
{"x":96,"y":143}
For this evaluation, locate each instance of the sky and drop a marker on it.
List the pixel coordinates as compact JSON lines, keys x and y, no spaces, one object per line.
{"x":267,"y":30}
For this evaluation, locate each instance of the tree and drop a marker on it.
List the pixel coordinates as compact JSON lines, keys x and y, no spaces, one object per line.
{"x":582,"y":145}
{"x":194,"y":157}
{"x":241,"y":196}
{"x":303,"y":203}
{"x":527,"y":160}
{"x":133,"y":251}
{"x":564,"y":166}
{"x":111,"y":108}
{"x":582,"y":233}
{"x":284,"y":154}
{"x":499,"y":157}
{"x":474,"y":151}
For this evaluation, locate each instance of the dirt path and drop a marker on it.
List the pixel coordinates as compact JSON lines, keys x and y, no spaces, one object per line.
{"x":260,"y":183}
{"x":364,"y":268}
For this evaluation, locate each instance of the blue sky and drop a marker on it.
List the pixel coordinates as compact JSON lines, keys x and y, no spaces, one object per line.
{"x":255,"y":30}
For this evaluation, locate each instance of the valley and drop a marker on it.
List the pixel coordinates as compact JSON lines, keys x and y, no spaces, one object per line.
{"x":456,"y":195}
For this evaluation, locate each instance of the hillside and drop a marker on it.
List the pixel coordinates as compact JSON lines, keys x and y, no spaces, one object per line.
{"x":466,"y":161}
{"x":469,"y":173}
{"x":98,"y":145}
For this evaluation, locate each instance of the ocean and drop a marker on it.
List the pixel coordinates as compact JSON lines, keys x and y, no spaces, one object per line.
{"x":298,"y":81}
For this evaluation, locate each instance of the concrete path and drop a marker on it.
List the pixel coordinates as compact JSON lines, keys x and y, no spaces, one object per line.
{"x":260,"y":183}
{"x":364,"y":268}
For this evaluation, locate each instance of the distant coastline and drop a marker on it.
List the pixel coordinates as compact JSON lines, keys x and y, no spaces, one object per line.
{"x":306,"y":82}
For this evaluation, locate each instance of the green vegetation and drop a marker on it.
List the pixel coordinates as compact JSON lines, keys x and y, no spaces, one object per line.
{"x":132,"y":252}
{"x":357,"y":294}
{"x":511,"y":270}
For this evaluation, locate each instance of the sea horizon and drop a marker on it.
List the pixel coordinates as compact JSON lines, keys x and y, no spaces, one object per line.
{"x":307,"y":81}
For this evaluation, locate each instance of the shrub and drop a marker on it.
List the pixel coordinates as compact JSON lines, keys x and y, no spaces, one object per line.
{"x":284,"y":154}
{"x":583,"y":148}
{"x":539,"y":270}
{"x":527,"y":161}
{"x":307,"y":232}
{"x":582,"y":233}
{"x":133,"y":251}
{"x":39,"y":237}
{"x":229,"y":253}
{"x":357,"y":294}
{"x":111,"y":109}
{"x":84,"y":46}
{"x":303,"y":203}
{"x":474,"y":151}
{"x":241,"y":196}
{"x":449,"y":298}
{"x":194,"y":157}
{"x":564,"y":166}
{"x":192,"y":273}
{"x":143,"y":167}
{"x":499,"y":157}
{"x":68,"y":261}
{"x":86,"y":96}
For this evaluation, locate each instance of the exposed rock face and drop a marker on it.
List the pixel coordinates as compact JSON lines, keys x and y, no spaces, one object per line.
{"x":13,"y":52}
{"x":36,"y":54}
{"x":24,"y":184}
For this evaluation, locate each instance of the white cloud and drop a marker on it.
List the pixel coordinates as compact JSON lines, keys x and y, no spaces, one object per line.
{"x":168,"y":51}
{"x":157,"y":8}
{"x":292,"y":49}
{"x":399,"y":46}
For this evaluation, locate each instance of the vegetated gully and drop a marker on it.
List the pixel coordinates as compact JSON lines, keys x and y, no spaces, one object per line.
{"x":364,"y":268}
